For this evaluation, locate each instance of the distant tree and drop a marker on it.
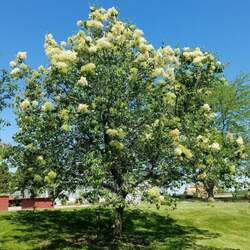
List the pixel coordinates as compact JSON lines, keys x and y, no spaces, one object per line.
{"x":5,"y":176}
{"x":217,"y":159}
{"x":7,"y":89}
{"x":231,"y":102}
{"x":6,"y":92}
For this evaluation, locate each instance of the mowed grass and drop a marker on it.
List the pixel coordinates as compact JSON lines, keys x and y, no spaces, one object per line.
{"x":193,"y":225}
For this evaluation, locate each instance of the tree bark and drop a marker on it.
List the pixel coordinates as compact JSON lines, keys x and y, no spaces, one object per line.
{"x":119,"y":222}
{"x":210,"y":191}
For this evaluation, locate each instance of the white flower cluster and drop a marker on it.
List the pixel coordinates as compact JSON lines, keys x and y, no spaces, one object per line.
{"x":47,"y":106}
{"x":206,"y":107}
{"x":202,"y":139}
{"x":181,"y":150}
{"x":94,"y":24}
{"x":21,"y":56}
{"x":167,"y":55}
{"x":117,"y":28}
{"x":166,"y":59}
{"x":60,"y":58}
{"x":215,"y":146}
{"x":18,"y":67}
{"x":240,"y":141}
{"x":118,"y":34}
{"x":82,"y":82}
{"x":103,"y":43}
{"x":25,"y":104}
{"x":89,"y":68}
{"x":97,"y":17}
{"x":83,"y":108}
{"x":175,"y":133}
{"x":102,"y":14}
{"x":197,"y":57}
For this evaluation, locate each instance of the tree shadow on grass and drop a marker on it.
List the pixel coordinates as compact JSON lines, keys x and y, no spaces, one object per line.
{"x":80,"y":229}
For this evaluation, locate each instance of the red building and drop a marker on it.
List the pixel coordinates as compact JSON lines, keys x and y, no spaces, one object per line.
{"x":4,"y":202}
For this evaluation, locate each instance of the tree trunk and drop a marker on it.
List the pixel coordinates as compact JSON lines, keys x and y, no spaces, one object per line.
{"x":119,"y":222}
{"x":210,"y":191}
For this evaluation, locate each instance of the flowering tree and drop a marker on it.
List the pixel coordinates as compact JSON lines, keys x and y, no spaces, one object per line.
{"x":100,"y":115}
{"x":110,"y":113}
{"x":216,"y":159}
{"x":231,"y":102}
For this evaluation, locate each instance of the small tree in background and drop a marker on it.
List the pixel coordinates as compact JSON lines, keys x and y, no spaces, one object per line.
{"x":231,"y":102}
{"x":216,"y":160}
{"x":6,"y":91}
{"x":5,"y":176}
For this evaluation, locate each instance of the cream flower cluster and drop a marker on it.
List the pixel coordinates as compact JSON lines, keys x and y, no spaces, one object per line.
{"x":181,"y":150}
{"x":215,"y":146}
{"x":202,"y":139}
{"x":166,"y":59}
{"x":60,"y":58}
{"x":98,"y":16}
{"x":16,"y":73}
{"x":40,"y":158}
{"x":21,"y":56}
{"x":206,"y":107}
{"x":17,"y":65}
{"x":197,"y":57}
{"x":169,"y":98}
{"x":117,"y":35}
{"x":25,"y":104}
{"x":103,"y":43}
{"x":166,"y":55}
{"x":240,"y":141}
{"x":82,"y":81}
{"x":89,"y":68}
{"x":117,"y":28}
{"x":47,"y":106}
{"x":175,"y":133}
{"x":94,"y":24}
{"x":83,"y":108}
{"x":116,"y":132}
{"x":102,"y":14}
{"x":210,"y":115}
{"x":117,"y":145}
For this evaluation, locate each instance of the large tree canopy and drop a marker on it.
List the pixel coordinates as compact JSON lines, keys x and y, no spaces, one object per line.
{"x":110,"y":112}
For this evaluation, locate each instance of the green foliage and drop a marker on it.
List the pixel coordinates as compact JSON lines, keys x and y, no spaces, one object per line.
{"x":112,"y":114}
{"x":153,"y":196}
{"x":5,"y":175}
{"x":6,"y":91}
{"x":231,"y":101}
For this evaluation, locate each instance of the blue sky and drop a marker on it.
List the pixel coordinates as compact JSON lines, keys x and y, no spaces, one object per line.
{"x":221,"y":26}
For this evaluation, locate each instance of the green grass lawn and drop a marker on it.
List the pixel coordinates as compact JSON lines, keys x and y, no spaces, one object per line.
{"x":193,"y":225}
